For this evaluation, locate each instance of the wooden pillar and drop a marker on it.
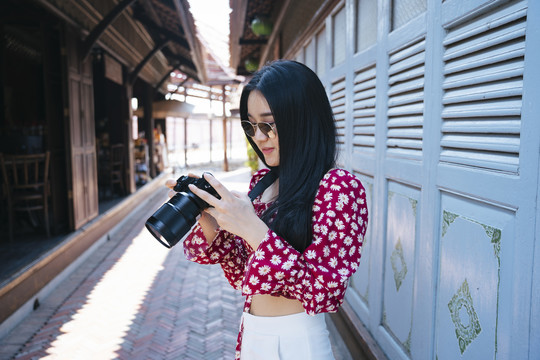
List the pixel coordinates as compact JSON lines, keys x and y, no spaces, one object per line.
{"x":148,"y":120}
{"x":185,"y":142}
{"x":210,"y":119}
{"x":185,"y":133}
{"x":127,"y":140}
{"x":225,"y":157}
{"x":3,"y":120}
{"x":211,"y":140}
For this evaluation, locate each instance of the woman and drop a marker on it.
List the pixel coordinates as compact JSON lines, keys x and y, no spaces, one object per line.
{"x":292,"y":250}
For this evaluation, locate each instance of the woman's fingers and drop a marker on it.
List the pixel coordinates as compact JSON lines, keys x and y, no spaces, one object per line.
{"x":220,"y":189}
{"x":209,"y":198}
{"x":170,"y":183}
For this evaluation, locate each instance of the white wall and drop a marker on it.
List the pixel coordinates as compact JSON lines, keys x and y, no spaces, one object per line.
{"x":437,"y":107}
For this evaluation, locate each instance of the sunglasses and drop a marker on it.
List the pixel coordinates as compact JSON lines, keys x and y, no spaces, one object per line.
{"x":268,"y":129}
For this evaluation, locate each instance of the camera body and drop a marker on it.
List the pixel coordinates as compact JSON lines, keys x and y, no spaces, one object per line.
{"x":182,"y":186}
{"x":174,"y":219}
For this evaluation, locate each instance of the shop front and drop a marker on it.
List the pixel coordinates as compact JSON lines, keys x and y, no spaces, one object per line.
{"x":67,"y":131}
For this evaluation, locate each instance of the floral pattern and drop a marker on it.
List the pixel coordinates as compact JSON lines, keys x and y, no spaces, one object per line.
{"x":319,"y":276}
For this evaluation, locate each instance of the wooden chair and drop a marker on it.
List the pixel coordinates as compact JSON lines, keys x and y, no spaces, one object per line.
{"x":26,"y":185}
{"x":112,"y":168}
{"x":117,"y":166}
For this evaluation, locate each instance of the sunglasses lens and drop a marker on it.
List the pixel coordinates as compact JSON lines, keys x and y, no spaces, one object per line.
{"x":248,"y":128}
{"x":266,"y":129}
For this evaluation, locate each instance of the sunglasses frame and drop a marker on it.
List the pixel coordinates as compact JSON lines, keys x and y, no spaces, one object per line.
{"x":270,"y":134}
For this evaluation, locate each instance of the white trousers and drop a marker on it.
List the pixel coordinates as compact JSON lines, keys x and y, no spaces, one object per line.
{"x":294,"y":337}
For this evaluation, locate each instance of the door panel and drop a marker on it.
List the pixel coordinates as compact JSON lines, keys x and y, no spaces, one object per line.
{"x":84,"y":199}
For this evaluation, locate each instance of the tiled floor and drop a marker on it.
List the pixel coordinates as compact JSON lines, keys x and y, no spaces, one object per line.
{"x":135,"y":299}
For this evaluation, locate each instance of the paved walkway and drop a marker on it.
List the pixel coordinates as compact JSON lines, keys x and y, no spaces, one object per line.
{"x":135,"y":299}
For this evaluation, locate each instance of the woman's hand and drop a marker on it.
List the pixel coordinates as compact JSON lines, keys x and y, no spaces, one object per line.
{"x":234,"y":212}
{"x":171,"y":183}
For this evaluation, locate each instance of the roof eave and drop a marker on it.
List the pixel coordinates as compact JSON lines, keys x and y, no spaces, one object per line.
{"x":186,"y":19}
{"x":237,"y":19}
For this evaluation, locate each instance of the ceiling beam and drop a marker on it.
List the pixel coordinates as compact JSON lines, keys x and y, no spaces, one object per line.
{"x":185,"y":63}
{"x":100,"y":28}
{"x":243,"y":41}
{"x":153,"y":27}
{"x":167,"y":75}
{"x":133,"y":75}
{"x":150,"y":11}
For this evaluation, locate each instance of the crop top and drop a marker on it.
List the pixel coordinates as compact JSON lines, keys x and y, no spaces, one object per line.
{"x":319,"y":276}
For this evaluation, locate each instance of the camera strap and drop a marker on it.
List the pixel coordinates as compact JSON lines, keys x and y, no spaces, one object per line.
{"x":263,"y":184}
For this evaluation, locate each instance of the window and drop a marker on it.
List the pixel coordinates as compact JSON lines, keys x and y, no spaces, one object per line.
{"x":366,"y":24}
{"x":339,"y":23}
{"x":321,"y":52}
{"x":405,"y":10}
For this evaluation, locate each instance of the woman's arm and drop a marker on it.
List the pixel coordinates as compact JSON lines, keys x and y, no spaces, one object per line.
{"x":233,"y":212}
{"x":208,"y":244}
{"x":209,"y":227}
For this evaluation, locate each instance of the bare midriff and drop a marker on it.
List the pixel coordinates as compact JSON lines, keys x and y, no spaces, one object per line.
{"x":268,"y":305}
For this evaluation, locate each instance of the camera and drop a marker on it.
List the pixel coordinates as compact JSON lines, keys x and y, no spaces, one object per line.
{"x":174,"y":219}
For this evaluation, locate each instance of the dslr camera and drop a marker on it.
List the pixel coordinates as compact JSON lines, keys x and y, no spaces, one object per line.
{"x":174,"y":219}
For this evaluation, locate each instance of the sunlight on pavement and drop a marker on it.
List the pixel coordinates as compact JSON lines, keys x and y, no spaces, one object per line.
{"x":98,"y":329}
{"x":237,"y":180}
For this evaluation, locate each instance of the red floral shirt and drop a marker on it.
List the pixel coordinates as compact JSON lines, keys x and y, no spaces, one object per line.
{"x":319,"y":276}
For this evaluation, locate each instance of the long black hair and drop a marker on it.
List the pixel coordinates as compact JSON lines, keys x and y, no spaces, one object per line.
{"x":307,"y":143}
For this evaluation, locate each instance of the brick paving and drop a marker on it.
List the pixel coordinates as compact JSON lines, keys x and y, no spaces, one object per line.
{"x":135,"y":299}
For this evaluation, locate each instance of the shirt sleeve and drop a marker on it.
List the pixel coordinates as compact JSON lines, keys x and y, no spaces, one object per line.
{"x":227,"y":249}
{"x":319,"y":276}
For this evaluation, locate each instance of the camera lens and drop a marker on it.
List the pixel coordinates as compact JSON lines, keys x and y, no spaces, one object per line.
{"x":173,"y":220}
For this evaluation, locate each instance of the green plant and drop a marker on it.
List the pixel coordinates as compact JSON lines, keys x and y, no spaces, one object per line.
{"x":251,"y":65}
{"x":253,"y":160}
{"x":262,"y":26}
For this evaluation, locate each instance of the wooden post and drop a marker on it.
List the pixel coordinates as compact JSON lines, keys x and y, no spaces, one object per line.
{"x":185,"y":133}
{"x":225,"y":157}
{"x":210,"y":119}
{"x":185,"y":143}
{"x":148,"y":119}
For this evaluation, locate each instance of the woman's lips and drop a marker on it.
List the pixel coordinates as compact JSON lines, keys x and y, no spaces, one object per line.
{"x":267,"y":150}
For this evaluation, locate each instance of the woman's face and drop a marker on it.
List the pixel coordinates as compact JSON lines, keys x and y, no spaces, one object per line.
{"x":259,"y":111}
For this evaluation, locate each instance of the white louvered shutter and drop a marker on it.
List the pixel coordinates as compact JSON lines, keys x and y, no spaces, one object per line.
{"x":406,"y":101}
{"x":483,"y":69}
{"x":337,"y":100}
{"x":364,"y":110}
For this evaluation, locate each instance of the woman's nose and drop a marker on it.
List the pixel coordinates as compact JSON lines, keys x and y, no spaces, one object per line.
{"x":259,"y":134}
